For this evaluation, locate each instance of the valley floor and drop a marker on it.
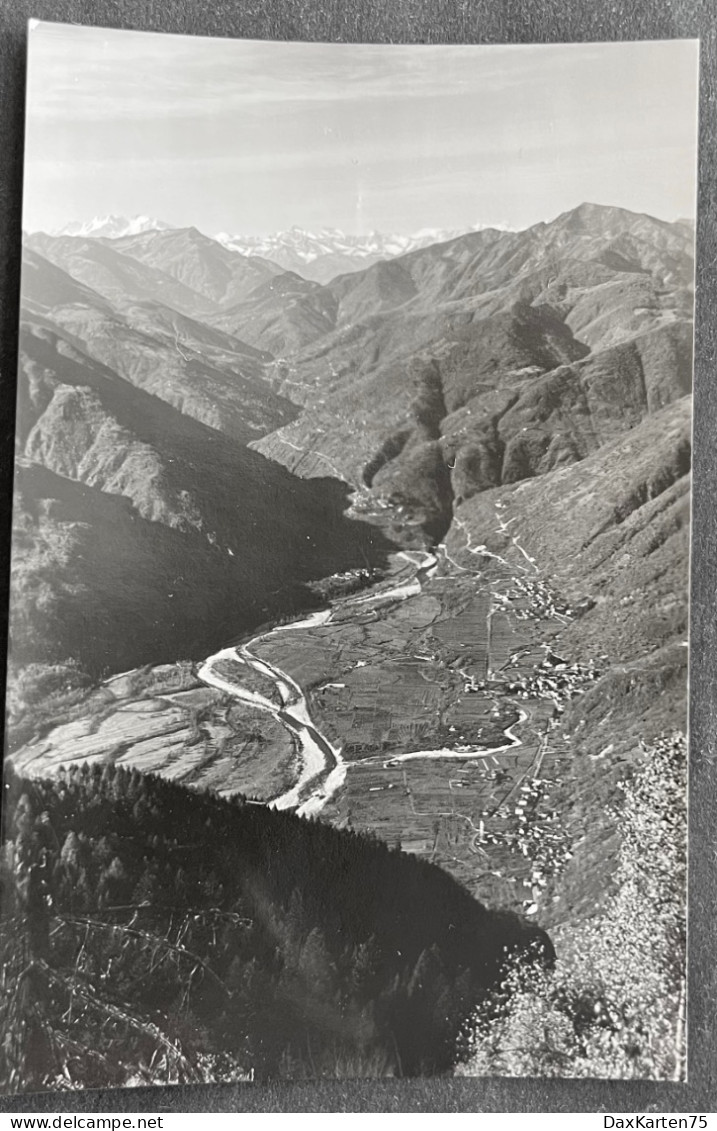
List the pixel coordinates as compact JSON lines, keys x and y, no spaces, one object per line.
{"x":427,"y":709}
{"x":442,"y":710}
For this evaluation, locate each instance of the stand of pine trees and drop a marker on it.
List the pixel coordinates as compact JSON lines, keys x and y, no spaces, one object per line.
{"x":149,"y":933}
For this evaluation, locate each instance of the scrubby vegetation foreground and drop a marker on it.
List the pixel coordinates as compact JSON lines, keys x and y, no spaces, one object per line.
{"x":614,"y":1006}
{"x":155,"y":935}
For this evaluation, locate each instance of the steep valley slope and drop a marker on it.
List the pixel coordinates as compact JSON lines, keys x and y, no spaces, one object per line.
{"x":526,"y":400}
{"x":201,"y":371}
{"x":513,"y":409}
{"x":143,"y":534}
{"x":492,"y":358}
{"x":486,"y":713}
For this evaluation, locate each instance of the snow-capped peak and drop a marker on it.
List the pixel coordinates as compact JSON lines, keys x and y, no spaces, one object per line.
{"x":112,"y":227}
{"x":322,"y":254}
{"x":309,"y":246}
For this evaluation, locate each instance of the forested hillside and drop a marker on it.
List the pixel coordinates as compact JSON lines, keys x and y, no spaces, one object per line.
{"x":469,"y":469}
{"x":151,"y":934}
{"x":129,"y":511}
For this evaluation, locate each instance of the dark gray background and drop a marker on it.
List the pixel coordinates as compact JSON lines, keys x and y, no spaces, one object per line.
{"x":439,"y":21}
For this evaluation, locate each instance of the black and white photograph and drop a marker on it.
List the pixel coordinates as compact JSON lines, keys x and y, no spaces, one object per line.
{"x":347,"y":680}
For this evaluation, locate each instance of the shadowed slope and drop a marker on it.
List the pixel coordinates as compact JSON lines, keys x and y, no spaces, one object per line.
{"x":158,"y":512}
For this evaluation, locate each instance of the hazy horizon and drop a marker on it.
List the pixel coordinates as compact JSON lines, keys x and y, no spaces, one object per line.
{"x":317,"y":230}
{"x":253,"y":138}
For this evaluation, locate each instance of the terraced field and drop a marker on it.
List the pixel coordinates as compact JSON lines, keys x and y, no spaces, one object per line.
{"x":166,"y":721}
{"x":445,"y":702}
{"x":440,"y":691}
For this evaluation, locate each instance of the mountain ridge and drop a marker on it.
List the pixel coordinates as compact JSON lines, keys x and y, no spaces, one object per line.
{"x":169,"y":486}
{"x":206,"y":373}
{"x":492,"y":357}
{"x":110,"y":225}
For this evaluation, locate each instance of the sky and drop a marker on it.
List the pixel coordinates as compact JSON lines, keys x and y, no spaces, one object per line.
{"x":252,"y":137}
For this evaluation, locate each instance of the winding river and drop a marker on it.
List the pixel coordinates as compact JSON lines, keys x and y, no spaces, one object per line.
{"x":322,"y":769}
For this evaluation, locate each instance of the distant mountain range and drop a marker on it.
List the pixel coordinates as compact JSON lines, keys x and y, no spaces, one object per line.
{"x":493,"y":357}
{"x":209,"y":441}
{"x":195,"y":422}
{"x":172,"y":375}
{"x":138,"y":502}
{"x":547,"y":372}
{"x":111,"y":226}
{"x":322,"y":255}
{"x":317,"y":255}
